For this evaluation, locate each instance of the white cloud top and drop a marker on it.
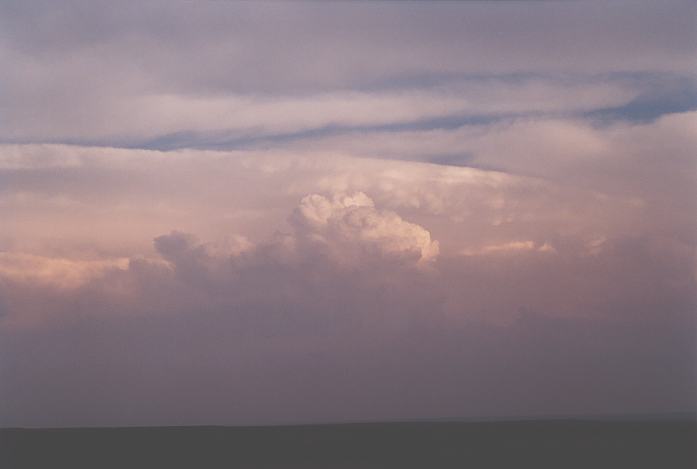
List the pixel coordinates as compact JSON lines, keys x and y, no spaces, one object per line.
{"x":350,"y":225}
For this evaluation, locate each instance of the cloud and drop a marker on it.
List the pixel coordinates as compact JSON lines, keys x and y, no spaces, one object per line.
{"x":213,"y":330}
{"x":230,"y":73}
{"x":269,"y":47}
{"x":55,"y":272}
{"x":136,"y":119}
{"x":275,"y":343}
{"x":313,"y":268}
{"x":349,"y":225}
{"x":510,"y":247}
{"x":603,"y":182}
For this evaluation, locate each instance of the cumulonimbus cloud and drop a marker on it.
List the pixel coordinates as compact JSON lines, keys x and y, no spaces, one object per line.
{"x":350,"y":227}
{"x":427,"y":219}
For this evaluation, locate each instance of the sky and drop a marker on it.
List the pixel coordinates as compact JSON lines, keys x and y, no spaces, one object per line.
{"x":261,"y":213}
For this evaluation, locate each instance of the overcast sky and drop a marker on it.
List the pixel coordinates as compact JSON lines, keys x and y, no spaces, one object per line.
{"x":252,"y":213}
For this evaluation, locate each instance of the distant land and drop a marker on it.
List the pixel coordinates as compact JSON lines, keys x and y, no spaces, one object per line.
{"x":665,"y":442}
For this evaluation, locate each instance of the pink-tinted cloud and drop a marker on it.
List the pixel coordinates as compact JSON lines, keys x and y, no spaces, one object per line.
{"x":375,"y":211}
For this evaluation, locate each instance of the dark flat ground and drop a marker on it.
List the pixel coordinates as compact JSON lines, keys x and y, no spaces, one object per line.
{"x":525,"y":444}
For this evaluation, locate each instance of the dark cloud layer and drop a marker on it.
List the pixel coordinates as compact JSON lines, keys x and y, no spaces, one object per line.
{"x":128,"y":75}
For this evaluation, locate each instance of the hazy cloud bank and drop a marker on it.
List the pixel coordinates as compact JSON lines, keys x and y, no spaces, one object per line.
{"x":421,"y":210}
